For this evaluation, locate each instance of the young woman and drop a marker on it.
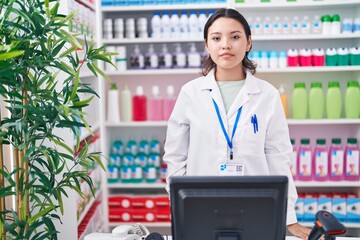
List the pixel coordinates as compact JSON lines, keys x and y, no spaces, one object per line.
{"x":229,"y":117}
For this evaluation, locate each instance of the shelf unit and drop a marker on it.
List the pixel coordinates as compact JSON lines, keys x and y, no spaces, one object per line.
{"x":178,"y":77}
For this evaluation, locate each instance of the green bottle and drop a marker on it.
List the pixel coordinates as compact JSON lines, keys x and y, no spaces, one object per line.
{"x":299,"y":101}
{"x":316,"y":101}
{"x":352,"y":100}
{"x":333,"y":101}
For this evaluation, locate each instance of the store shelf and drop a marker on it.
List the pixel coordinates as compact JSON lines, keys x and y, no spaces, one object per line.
{"x":337,"y":184}
{"x":147,"y":224}
{"x":348,"y":225}
{"x":284,"y":37}
{"x":163,"y":7}
{"x":137,"y":185}
{"x":322,"y":121}
{"x":88,"y":206}
{"x":295,"y":5}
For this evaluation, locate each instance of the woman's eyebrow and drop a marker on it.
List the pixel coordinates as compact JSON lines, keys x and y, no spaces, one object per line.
{"x":237,"y":31}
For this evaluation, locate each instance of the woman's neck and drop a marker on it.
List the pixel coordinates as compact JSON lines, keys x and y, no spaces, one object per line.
{"x":224,"y":75}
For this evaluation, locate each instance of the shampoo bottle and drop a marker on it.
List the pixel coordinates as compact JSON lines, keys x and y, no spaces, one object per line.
{"x":155,"y":105}
{"x":139,"y":105}
{"x":284,"y":99}
{"x":169,"y":102}
{"x":352,"y":100}
{"x":336,"y":160}
{"x":299,"y":101}
{"x":316,"y":101}
{"x":304,"y":161}
{"x":352,"y":164}
{"x":193,"y":57}
{"x":320,"y":161}
{"x":125,"y":105}
{"x":113,"y":109}
{"x":333,"y":101}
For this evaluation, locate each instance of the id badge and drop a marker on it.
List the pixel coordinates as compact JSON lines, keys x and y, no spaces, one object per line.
{"x":231,"y":169}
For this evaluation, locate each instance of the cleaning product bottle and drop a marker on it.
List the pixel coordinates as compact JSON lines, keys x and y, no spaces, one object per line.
{"x":169,"y":102}
{"x":299,"y":101}
{"x":155,"y":108}
{"x":156,"y":25}
{"x":151,"y":58}
{"x":139,"y":105}
{"x":179,"y":58}
{"x":125,"y":105}
{"x":316,"y":27}
{"x":150,"y":173}
{"x":113,"y":104}
{"x":163,"y":172}
{"x":293,"y":163}
{"x":137,"y":60}
{"x":331,"y":57}
{"x":284,"y":99}
{"x":352,"y":100}
{"x":175,"y":25}
{"x":165,"y":58}
{"x":343,"y":57}
{"x":316,"y":101}
{"x":165,"y":25}
{"x":333,"y":100}
{"x":320,"y":161}
{"x":201,"y":22}
{"x":184,"y":25}
{"x":352,"y":164}
{"x":354,"y":54}
{"x":304,"y":161}
{"x":326,"y":24}
{"x":193,"y":57}
{"x":336,"y":160}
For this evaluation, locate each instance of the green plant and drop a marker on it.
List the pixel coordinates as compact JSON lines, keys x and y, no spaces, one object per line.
{"x":39,"y":78}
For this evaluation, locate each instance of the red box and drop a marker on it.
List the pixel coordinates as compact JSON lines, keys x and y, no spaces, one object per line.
{"x":162,"y":203}
{"x":123,"y":202}
{"x":143,"y":203}
{"x":163,"y":216}
{"x":142,"y":215}
{"x":120,"y":215}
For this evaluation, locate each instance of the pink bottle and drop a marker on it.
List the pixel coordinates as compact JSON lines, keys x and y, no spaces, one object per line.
{"x":292,"y":58}
{"x":305,"y":57}
{"x":304,"y":161}
{"x":139,"y":105}
{"x":352,"y":161}
{"x":336,"y":160}
{"x":293,"y":165}
{"x":320,"y":161}
{"x":155,"y":109}
{"x":169,"y":102}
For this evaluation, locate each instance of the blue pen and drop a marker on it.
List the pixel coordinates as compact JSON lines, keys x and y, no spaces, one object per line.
{"x":256,"y":123}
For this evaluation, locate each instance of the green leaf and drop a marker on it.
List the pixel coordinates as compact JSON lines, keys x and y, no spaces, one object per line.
{"x":75,"y":86}
{"x":41,"y":214}
{"x":98,"y":70}
{"x":9,"y":55}
{"x":84,"y":102}
{"x":62,"y":144}
{"x":70,"y":38}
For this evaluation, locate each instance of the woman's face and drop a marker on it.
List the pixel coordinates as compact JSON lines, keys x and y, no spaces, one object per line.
{"x":227,"y":43}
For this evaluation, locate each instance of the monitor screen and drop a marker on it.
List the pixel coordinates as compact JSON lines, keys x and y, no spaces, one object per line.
{"x":228,"y":208}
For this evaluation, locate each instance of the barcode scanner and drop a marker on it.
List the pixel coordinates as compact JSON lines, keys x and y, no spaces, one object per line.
{"x":326,"y":224}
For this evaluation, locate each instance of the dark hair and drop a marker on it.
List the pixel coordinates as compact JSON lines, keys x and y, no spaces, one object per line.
{"x":209,"y":64}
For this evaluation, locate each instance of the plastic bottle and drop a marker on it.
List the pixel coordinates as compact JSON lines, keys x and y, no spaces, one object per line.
{"x":354,"y":54}
{"x":316,"y":27}
{"x":155,"y":102}
{"x":193,"y":24}
{"x":305,"y":57}
{"x":320,"y":161}
{"x":201,"y":22}
{"x":273,"y":60}
{"x":267,"y":26}
{"x":125,"y":105}
{"x":184,"y":25}
{"x":154,"y":159}
{"x":335,"y":24}
{"x":150,"y":173}
{"x":282,"y":59}
{"x":286,"y":25}
{"x":336,"y":160}
{"x":156,"y":25}
{"x":139,"y":105}
{"x":175,"y":25}
{"x":165,"y":25}
{"x":169,"y":102}
{"x":299,"y":101}
{"x":163,"y":172}
{"x":343,"y":57}
{"x":165,"y":58}
{"x":264,"y":59}
{"x":305,"y":27}
{"x":136,"y":173}
{"x":356,"y":26}
{"x":151,"y":58}
{"x":137,"y":60}
{"x":347,"y":25}
{"x":333,"y":101}
{"x":292,"y":58}
{"x":316,"y":101}
{"x":352,"y":164}
{"x":304,"y":161}
{"x":293,"y":163}
{"x":326,"y":24}
{"x":277,"y":26}
{"x":318,"y":57}
{"x":113,"y":108}
{"x":179,"y":58}
{"x":144,"y":146}
{"x":258,"y":26}
{"x":352,"y":100}
{"x":295,"y":25}
{"x":331,"y":57}
{"x":193,"y":57}
{"x":284,"y":99}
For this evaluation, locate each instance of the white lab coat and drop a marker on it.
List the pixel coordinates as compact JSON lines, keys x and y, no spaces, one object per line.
{"x":195,"y":143}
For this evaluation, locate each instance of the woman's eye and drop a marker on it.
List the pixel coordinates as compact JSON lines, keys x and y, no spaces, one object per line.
{"x":236,"y":37}
{"x":216,"y":39}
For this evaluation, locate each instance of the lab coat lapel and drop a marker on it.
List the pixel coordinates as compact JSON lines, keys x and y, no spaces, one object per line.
{"x":242,"y":98}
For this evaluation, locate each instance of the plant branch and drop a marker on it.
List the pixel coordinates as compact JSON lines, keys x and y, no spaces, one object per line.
{"x":2,"y":185}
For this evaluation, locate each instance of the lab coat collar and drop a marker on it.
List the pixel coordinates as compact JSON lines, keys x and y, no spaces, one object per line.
{"x":250,"y":87}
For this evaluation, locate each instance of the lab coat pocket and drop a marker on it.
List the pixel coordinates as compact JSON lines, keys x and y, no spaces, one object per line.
{"x":252,"y":141}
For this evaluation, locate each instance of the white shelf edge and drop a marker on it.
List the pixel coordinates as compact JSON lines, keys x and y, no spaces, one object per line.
{"x":254,"y":38}
{"x":300,"y":3}
{"x":322,"y":121}
{"x":88,"y":206}
{"x":347,"y":224}
{"x":163,"y":7}
{"x":136,"y":185}
{"x":310,"y":69}
{"x":327,"y":184}
{"x":85,"y":133}
{"x":138,"y":124}
{"x":147,"y":224}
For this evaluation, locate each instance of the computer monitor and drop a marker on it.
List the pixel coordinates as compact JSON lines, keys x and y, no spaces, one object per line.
{"x":228,"y":208}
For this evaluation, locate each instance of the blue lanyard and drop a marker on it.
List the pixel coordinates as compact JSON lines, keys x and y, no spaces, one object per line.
{"x":223,"y":127}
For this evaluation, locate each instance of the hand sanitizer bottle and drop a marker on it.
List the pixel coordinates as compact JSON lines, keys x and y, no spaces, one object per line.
{"x":165,"y":58}
{"x":137,"y":60}
{"x":193,"y":57}
{"x":169,"y":102}
{"x":179,"y":58}
{"x":151,"y":58}
{"x":155,"y":105}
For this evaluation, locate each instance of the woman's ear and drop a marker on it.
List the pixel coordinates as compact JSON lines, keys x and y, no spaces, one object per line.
{"x":249,"y":44}
{"x":206,"y":45}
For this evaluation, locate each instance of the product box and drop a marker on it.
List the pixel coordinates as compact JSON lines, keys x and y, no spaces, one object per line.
{"x":162,"y":203}
{"x":120,"y":215}
{"x":339,"y":207}
{"x":123,"y":201}
{"x":325,"y":202}
{"x":143,"y":202}
{"x":299,"y":208}
{"x":163,"y":216}
{"x":353,"y":209}
{"x":310,"y":208}
{"x":143,"y":215}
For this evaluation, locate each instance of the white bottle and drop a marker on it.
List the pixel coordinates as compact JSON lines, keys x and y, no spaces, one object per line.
{"x":179,"y":59}
{"x":347,"y":25}
{"x":264,"y":60}
{"x":305,"y":27}
{"x":169,"y":102}
{"x":356,"y":27}
{"x":193,"y":24}
{"x":277,"y":26}
{"x":175,"y":25}
{"x":156,"y":25}
{"x":201,"y":22}
{"x":273,"y":60}
{"x":193,"y":57}
{"x":165,"y":58}
{"x":316,"y":26}
{"x":267,"y":26}
{"x":295,"y":25}
{"x":258,"y":26}
{"x":113,"y":108}
{"x":137,"y":60}
{"x":250,"y":21}
{"x":184,"y":25}
{"x":286,"y":26}
{"x":126,"y":105}
{"x":151,"y":58}
{"x":165,"y":25}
